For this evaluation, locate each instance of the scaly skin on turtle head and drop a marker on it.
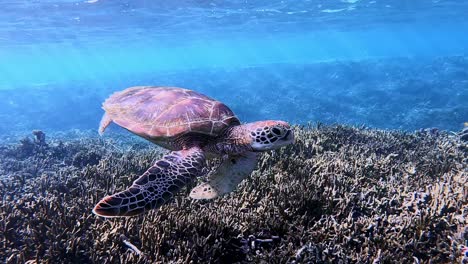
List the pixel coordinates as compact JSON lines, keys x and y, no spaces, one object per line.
{"x":269,"y":134}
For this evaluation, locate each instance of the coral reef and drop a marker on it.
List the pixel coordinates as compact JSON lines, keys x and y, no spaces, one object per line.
{"x":464,"y":134}
{"x":339,"y":194}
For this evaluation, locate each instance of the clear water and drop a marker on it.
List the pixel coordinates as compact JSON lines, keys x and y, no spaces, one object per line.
{"x":389,"y":64}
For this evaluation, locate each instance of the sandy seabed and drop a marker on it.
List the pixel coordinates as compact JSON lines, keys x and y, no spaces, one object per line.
{"x":340,"y":194}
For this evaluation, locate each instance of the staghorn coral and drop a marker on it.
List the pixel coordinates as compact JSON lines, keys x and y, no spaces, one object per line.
{"x":464,"y":134}
{"x":340,"y":194}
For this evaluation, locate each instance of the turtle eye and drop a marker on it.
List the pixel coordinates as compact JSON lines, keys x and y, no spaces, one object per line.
{"x":276,"y":131}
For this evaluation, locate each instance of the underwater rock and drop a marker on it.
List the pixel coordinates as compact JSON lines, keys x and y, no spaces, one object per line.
{"x":339,"y":194}
{"x":39,"y":137}
{"x":26,"y":147}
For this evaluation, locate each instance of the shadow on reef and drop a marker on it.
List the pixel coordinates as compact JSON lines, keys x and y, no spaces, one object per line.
{"x":339,"y":194}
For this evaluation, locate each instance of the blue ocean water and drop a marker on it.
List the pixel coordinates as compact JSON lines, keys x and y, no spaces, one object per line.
{"x":387,"y":64}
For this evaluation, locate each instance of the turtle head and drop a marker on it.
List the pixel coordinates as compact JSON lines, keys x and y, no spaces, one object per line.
{"x":270,"y":134}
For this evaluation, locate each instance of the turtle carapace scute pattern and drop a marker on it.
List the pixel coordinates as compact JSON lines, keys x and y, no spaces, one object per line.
{"x":193,"y":127}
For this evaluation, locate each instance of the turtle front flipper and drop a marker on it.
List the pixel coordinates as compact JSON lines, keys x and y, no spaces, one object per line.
{"x":226,"y":178}
{"x":156,"y":186}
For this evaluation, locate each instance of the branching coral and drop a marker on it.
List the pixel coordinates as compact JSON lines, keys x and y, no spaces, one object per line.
{"x":338,"y":194}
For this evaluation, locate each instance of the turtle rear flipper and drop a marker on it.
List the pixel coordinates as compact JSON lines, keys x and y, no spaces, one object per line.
{"x":226,"y":178}
{"x":105,"y":122}
{"x":156,"y":186}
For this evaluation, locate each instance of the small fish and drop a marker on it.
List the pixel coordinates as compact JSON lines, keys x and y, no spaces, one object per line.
{"x":465,"y":124}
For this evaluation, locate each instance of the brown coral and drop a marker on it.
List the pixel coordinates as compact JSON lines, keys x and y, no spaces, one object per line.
{"x":339,"y":194}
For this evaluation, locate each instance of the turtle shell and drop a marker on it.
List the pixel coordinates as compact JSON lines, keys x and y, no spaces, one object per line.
{"x":163,"y":113}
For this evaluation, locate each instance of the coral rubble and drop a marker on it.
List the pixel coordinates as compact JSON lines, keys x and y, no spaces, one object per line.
{"x":339,"y":194}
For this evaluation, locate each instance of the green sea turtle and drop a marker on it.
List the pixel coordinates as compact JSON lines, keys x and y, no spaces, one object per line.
{"x":194,"y":127}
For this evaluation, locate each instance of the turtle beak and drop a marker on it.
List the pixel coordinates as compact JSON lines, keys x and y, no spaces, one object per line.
{"x":287,"y":139}
{"x":289,"y":136}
